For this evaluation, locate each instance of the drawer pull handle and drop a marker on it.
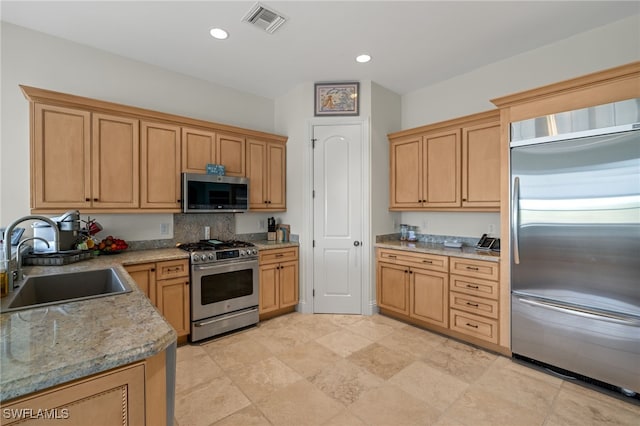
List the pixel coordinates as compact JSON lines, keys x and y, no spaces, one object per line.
{"x":392,"y":256}
{"x":472,"y":325}
{"x":472,"y":304}
{"x":427,"y":261}
{"x":473,"y":268}
{"x":472,"y":286}
{"x":279,"y":254}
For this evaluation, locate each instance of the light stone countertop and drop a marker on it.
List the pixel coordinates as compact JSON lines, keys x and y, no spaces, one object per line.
{"x":268,"y":245}
{"x":44,"y":347}
{"x":440,"y":249}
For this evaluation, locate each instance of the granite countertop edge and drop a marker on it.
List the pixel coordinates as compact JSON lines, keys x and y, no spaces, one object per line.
{"x":270,"y":245}
{"x":126,"y":328}
{"x":439,"y":249}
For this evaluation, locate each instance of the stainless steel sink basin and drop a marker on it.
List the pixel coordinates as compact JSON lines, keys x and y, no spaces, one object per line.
{"x":45,"y":290}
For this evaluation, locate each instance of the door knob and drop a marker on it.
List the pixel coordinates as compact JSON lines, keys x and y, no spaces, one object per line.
{"x":356,"y":243}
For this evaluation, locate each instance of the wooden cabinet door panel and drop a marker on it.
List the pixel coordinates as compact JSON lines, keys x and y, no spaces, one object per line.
{"x":198,"y":149}
{"x":160,"y":162}
{"x":173,"y":303}
{"x":144,"y":274}
{"x":256,"y":163}
{"x":429,"y":296}
{"x":481,"y":166}
{"x":230,"y":152}
{"x":288,"y":283}
{"x":406,"y":182}
{"x":115,"y":162}
{"x":441,"y":176}
{"x":61,"y":169}
{"x":393,"y":287}
{"x":276,"y":176}
{"x":112,"y":398}
{"x":269,"y":289}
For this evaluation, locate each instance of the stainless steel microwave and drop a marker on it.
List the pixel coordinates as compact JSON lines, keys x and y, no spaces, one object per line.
{"x":214,"y":194}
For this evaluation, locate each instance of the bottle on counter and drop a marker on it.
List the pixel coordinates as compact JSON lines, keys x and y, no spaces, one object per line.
{"x":4,"y":277}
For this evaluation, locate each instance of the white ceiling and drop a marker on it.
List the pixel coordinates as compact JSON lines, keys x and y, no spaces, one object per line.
{"x":413,"y":44}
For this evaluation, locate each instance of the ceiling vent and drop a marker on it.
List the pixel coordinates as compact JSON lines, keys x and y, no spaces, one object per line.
{"x":263,"y":17}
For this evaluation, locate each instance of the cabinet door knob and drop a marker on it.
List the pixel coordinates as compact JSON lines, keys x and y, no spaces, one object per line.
{"x":87,"y":199}
{"x":95,"y":199}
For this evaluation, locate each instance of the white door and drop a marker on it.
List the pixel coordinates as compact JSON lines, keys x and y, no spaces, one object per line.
{"x":337,"y":223}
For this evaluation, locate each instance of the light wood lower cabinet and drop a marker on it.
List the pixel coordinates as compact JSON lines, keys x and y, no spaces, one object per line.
{"x":474,"y":298}
{"x":455,"y":296}
{"x":278,"y":281}
{"x":131,"y":395}
{"x":419,"y":292}
{"x":166,"y":284}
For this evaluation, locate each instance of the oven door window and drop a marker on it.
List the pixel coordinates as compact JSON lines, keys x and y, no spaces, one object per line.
{"x":228,"y":285}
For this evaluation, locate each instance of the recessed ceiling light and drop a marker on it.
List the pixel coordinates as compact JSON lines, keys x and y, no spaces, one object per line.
{"x":363,"y":58}
{"x":219,"y":33}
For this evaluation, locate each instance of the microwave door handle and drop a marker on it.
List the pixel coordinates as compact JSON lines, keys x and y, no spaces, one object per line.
{"x":515,"y":219}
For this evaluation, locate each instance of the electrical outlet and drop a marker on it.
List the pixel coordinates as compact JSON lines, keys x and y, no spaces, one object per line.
{"x":424,"y":226}
{"x":491,"y":229}
{"x":164,"y":229}
{"x":262,"y":224}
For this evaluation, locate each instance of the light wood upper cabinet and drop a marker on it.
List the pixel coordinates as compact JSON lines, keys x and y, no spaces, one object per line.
{"x":230,"y":152}
{"x":60,"y":157}
{"x":84,"y":160}
{"x":200,"y":147}
{"x":406,"y":175}
{"x":99,"y":156}
{"x":441,"y":169}
{"x":266,"y":170}
{"x":160,"y":165}
{"x":115,"y":162}
{"x":481,"y":166}
{"x":453,"y":165}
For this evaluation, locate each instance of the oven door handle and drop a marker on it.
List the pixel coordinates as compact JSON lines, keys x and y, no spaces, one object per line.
{"x":202,"y":324}
{"x":222,"y":265}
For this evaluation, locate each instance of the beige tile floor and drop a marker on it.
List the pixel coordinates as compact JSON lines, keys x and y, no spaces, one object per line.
{"x":372,"y":370}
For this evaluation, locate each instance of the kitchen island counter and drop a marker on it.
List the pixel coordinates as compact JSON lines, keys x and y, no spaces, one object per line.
{"x":44,"y":347}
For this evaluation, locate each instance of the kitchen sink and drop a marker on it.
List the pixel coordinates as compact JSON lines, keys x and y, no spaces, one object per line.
{"x":45,"y":290}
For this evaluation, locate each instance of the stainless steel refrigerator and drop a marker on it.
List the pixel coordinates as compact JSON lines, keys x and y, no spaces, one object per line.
{"x":575,"y":242}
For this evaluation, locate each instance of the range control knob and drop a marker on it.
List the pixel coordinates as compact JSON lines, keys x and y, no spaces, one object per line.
{"x":243,"y":253}
{"x":254,"y":252}
{"x":212,"y":256}
{"x":195,"y":258}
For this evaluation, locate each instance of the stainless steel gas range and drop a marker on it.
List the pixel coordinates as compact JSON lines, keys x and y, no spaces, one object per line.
{"x":224,"y":286}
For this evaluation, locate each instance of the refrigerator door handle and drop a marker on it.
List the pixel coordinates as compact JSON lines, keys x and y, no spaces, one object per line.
{"x":583,"y":312}
{"x":515,"y":219}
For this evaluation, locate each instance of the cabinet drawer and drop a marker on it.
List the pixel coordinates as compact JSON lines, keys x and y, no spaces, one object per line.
{"x":278,"y":255}
{"x":475,"y":268}
{"x":433,"y":262}
{"x":474,"y":305}
{"x":474,"y":325}
{"x":172,"y":269}
{"x":474,"y":286}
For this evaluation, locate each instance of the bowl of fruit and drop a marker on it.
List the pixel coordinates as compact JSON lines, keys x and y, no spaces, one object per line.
{"x":111,"y":245}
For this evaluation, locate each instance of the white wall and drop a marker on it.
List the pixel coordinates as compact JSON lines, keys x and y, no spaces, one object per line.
{"x":605,"y":47}
{"x":35,"y":59}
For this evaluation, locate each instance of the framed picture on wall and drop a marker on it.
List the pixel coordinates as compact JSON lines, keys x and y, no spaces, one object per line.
{"x":332,"y":99}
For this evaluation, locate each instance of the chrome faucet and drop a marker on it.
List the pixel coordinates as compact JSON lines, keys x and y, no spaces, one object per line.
{"x":18,"y":275}
{"x":7,"y":241}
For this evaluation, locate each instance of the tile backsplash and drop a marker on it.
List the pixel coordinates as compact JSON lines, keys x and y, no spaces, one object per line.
{"x":190,"y":228}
